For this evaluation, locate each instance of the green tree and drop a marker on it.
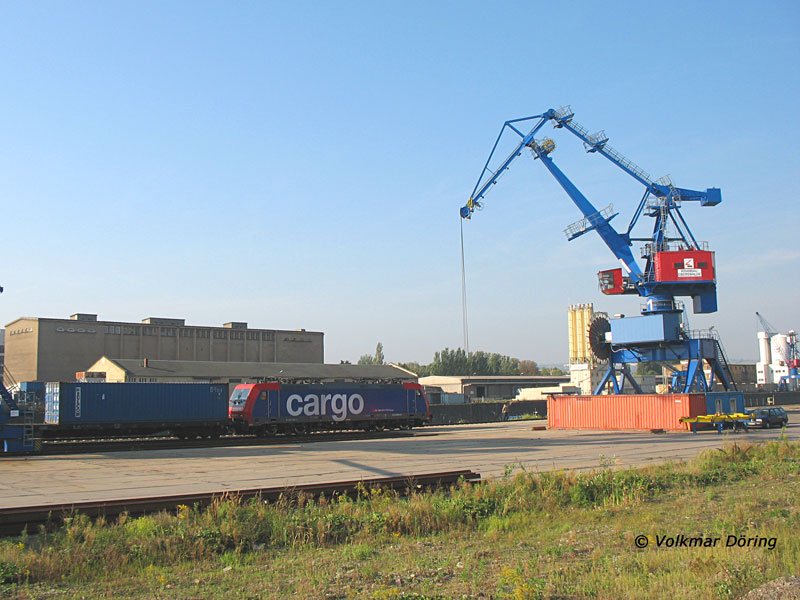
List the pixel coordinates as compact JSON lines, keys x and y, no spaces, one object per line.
{"x":458,"y":362}
{"x":373,"y":359}
{"x":553,"y":371}
{"x":415,"y":367}
{"x":528,"y":367}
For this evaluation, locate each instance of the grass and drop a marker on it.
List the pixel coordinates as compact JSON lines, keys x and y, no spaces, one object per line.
{"x":534,"y":416}
{"x":527,"y":535}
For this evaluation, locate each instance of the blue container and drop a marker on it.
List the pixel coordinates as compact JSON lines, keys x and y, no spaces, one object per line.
{"x":724,"y":402}
{"x":98,"y":404}
{"x":31,"y":394}
{"x":646,"y":329}
{"x":34,"y":387}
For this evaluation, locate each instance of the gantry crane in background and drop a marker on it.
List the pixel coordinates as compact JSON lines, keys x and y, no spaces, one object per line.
{"x":675,"y":263}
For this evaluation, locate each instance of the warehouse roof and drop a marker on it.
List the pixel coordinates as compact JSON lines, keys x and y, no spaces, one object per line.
{"x":489,"y":379}
{"x":251,"y":370}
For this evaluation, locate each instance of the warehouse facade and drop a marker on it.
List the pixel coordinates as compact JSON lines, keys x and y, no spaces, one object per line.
{"x":44,"y":349}
{"x":480,"y":388}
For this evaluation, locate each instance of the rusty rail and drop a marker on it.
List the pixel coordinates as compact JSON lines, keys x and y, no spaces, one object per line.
{"x":15,"y":520}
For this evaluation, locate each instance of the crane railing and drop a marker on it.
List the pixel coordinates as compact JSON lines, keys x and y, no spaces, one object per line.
{"x":650,"y":248}
{"x":597,"y":142}
{"x":589,"y":222}
{"x":627,"y":163}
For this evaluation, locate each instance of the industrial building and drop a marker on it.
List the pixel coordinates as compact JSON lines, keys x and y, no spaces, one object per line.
{"x":130,"y":370}
{"x":45,"y":349}
{"x":479,"y":388}
{"x":778,"y":364}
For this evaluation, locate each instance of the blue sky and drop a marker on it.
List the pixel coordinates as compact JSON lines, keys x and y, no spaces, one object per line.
{"x":301,"y":164}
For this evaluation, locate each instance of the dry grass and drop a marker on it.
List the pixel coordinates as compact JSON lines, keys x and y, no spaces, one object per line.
{"x":529,"y":535}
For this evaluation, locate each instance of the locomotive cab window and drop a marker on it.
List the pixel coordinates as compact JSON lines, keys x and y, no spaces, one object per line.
{"x":238,"y":398}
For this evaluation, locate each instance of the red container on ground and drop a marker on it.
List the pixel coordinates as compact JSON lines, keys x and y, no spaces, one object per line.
{"x":624,"y":411}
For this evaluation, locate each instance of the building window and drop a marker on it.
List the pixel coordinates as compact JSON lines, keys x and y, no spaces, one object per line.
{"x":150,"y":330}
{"x":202,"y":333}
{"x":186,"y":333}
{"x":168,"y":331}
{"x":252,"y":335}
{"x":237,"y":335}
{"x":268,"y":336}
{"x":220,"y":335}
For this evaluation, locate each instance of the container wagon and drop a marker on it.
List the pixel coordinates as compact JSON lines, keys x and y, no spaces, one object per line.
{"x":272,"y":408}
{"x":82,"y":410}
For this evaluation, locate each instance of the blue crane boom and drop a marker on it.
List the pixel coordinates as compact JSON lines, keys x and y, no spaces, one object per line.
{"x":660,"y":201}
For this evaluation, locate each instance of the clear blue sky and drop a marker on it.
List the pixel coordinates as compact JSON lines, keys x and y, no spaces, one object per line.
{"x":301,"y":164}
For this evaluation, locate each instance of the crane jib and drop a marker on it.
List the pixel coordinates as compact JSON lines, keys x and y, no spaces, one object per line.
{"x":661,"y":201}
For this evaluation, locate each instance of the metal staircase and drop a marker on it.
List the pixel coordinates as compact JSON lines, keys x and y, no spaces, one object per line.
{"x":723,"y":361}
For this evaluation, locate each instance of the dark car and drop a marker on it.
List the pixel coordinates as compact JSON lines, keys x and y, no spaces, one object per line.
{"x":765,"y":418}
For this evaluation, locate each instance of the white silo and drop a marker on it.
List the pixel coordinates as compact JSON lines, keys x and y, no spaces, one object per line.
{"x":779,"y":345}
{"x":764,"y":353}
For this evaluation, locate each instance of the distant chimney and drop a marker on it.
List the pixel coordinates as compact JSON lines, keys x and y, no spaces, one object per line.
{"x":144,"y":363}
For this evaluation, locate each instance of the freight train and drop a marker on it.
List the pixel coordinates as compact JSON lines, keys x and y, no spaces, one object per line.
{"x":191,"y":410}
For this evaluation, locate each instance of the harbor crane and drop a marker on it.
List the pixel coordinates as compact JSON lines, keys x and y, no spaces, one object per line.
{"x":675,"y":263}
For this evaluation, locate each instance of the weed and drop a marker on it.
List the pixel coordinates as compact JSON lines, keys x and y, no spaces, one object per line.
{"x":9,"y":572}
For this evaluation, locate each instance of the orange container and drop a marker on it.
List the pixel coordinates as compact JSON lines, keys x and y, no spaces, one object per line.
{"x":640,"y":411}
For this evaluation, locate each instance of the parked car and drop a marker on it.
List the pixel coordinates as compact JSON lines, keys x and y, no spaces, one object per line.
{"x":765,"y":418}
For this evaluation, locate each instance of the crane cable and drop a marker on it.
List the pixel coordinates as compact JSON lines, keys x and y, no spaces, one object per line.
{"x":464,"y":291}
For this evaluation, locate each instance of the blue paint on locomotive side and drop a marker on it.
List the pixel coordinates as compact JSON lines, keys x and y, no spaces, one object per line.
{"x":98,"y":404}
{"x":338,"y":403}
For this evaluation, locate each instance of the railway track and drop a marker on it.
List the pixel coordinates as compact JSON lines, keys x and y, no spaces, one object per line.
{"x":14,"y":521}
{"x":54,"y":447}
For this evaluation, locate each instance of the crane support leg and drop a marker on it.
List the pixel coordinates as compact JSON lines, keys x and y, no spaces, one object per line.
{"x":617,"y":376}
